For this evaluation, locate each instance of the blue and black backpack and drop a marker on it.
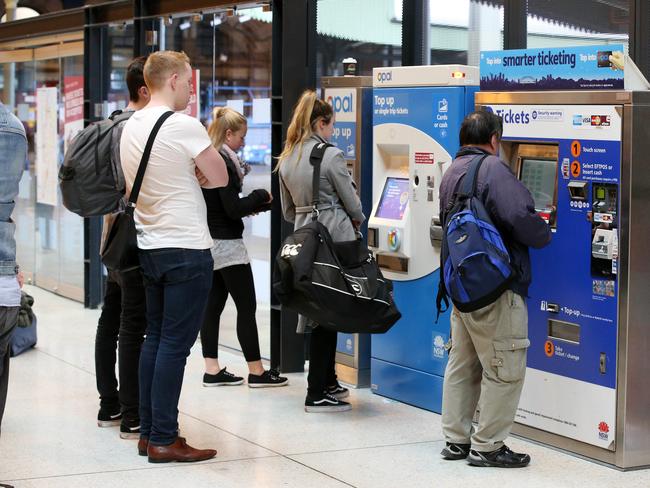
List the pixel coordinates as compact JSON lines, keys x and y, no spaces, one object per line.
{"x":474,"y":263}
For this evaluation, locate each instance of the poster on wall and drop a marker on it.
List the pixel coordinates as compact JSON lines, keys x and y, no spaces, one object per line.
{"x":47,"y":150}
{"x":73,"y":92}
{"x":194,"y":107}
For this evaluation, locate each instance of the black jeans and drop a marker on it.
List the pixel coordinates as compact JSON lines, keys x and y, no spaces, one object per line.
{"x":177,"y":283}
{"x":8,"y":319}
{"x":122,"y":324}
{"x":238,"y":282}
{"x":322,"y":355}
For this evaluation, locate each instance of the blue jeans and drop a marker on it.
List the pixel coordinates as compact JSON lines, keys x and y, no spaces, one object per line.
{"x":177,"y":283}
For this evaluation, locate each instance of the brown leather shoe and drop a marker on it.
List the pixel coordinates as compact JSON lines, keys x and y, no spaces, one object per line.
{"x":143,"y":443}
{"x":179,"y":451}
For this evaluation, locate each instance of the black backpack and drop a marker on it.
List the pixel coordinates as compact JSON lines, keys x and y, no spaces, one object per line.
{"x":88,"y":177}
{"x":338,"y":285}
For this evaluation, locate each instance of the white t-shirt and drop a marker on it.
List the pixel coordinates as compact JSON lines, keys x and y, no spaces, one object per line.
{"x":170,"y":211}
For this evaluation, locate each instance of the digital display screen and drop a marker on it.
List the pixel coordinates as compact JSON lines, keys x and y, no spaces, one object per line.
{"x":538,"y":175}
{"x":600,"y":193}
{"x":394,"y":199}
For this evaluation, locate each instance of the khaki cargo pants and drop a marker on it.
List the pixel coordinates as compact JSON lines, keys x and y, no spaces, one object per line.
{"x":486,"y":369}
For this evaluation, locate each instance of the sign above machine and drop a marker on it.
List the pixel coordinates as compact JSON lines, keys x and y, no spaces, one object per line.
{"x":569,"y":68}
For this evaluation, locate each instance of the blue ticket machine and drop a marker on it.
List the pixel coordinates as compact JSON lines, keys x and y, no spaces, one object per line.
{"x":351,"y":99}
{"x":575,"y":133}
{"x":416,"y":119}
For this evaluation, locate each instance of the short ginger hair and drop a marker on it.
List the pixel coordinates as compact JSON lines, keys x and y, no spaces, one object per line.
{"x":161,"y":65}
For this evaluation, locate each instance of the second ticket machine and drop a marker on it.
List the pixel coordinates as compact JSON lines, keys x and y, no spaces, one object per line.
{"x":417,"y":112}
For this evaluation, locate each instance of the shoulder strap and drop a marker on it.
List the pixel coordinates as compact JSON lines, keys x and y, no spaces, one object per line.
{"x":315,"y":159}
{"x":468,"y":187}
{"x":137,"y":183}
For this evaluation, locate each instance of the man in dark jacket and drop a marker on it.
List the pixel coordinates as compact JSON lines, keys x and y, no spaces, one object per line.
{"x":487,"y":360}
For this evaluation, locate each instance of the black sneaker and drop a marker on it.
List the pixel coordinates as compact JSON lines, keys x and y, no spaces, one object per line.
{"x":499,"y":458}
{"x":325,"y":403}
{"x":454,"y":452}
{"x":107,"y":418}
{"x":222,"y":378}
{"x":337,"y":391}
{"x":266,"y":379}
{"x":130,"y":429}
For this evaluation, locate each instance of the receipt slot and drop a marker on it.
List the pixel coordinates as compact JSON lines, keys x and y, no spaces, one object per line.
{"x":417,"y":112}
{"x":583,"y":156}
{"x":351,"y":99}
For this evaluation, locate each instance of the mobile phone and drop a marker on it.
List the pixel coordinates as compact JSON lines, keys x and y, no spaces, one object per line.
{"x":603,"y":59}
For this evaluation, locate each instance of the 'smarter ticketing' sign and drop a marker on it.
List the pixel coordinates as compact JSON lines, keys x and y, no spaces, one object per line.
{"x":574,"y":68}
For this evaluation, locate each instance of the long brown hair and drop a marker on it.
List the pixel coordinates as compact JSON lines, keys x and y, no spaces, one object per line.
{"x":308,"y":111}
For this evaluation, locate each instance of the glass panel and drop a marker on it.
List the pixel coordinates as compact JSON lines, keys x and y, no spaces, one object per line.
{"x":460,"y":30}
{"x":557,"y":24}
{"x":46,"y":268}
{"x":71,"y":226}
{"x":233,"y":56}
{"x":121,"y":49}
{"x":25,"y":211}
{"x":374,"y":41}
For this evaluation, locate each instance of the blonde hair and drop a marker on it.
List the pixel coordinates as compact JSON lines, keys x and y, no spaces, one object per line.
{"x":161,"y":65}
{"x":224,"y":118}
{"x":308,"y":111}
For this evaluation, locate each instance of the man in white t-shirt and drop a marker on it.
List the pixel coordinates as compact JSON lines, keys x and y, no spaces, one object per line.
{"x":174,"y":243}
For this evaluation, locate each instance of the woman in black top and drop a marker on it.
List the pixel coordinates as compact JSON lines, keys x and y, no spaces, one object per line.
{"x":232,"y":269}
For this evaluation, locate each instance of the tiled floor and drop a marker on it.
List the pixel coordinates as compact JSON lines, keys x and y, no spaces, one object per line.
{"x":49,"y":436}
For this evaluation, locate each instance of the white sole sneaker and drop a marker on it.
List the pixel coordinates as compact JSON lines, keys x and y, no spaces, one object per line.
{"x":341,"y":396}
{"x":225,"y":383}
{"x":109,"y":423}
{"x":129,"y":435}
{"x":327,"y":408}
{"x":267,"y":385}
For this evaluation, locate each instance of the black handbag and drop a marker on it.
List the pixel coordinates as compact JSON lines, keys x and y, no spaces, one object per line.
{"x":338,"y":285}
{"x":120,"y":251}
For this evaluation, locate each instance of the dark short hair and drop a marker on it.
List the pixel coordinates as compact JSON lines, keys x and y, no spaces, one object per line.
{"x":479,"y":127}
{"x":135,"y":77}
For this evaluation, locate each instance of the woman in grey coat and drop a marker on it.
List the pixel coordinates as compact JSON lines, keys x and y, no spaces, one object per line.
{"x":339,"y":210}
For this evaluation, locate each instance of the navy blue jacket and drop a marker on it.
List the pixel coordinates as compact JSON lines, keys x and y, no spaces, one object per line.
{"x":509,"y":204}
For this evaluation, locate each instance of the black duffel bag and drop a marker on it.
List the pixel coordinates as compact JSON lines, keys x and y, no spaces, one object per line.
{"x":338,"y":285}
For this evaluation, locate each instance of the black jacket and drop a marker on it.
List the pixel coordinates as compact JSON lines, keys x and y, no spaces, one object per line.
{"x":226,"y":209}
{"x":509,"y":204}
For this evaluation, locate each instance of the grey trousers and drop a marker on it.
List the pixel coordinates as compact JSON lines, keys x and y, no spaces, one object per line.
{"x":8,"y":318}
{"x":485,"y":372}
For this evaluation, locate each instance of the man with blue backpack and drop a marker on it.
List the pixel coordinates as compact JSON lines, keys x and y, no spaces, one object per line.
{"x":489,"y":223}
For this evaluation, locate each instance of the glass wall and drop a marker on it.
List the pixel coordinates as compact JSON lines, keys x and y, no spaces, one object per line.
{"x":374,"y":41}
{"x":48,"y":99}
{"x":231,"y":56}
{"x":557,"y":24}
{"x":49,"y":238}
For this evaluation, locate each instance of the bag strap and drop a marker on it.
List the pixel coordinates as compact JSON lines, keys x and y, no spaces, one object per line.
{"x":315,"y":159}
{"x":468,"y":187}
{"x":137,"y":183}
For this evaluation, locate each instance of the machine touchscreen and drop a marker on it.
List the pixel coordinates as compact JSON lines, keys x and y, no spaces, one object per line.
{"x":394,"y":199}
{"x":538,"y":175}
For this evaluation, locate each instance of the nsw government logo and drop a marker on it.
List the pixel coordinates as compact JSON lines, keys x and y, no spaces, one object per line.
{"x":438,"y":347}
{"x":603,"y":431}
